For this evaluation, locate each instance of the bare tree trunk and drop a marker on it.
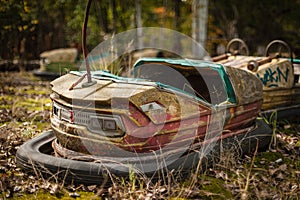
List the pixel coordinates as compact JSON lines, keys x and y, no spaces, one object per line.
{"x":102,"y":17}
{"x":199,"y":26}
{"x":138,"y":5}
{"x":114,"y":14}
{"x":177,"y":46}
{"x":177,"y":5}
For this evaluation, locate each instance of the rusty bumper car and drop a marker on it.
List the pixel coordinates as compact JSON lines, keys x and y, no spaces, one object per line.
{"x":277,"y":70}
{"x":57,"y":62}
{"x":171,"y":114}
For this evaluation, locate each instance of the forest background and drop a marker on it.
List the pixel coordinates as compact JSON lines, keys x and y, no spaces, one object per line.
{"x":31,"y":27}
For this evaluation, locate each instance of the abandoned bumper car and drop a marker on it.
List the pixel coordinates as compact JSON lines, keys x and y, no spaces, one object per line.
{"x":56,"y":62}
{"x":278,"y":71}
{"x":171,"y":114}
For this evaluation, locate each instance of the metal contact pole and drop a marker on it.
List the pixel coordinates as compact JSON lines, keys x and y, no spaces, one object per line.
{"x":84,"y":50}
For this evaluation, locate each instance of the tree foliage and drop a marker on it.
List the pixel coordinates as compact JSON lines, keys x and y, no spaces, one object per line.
{"x":258,"y":22}
{"x":30,"y":27}
{"x":17,"y":25}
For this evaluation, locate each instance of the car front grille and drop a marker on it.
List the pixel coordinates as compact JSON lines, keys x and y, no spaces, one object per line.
{"x":103,"y":124}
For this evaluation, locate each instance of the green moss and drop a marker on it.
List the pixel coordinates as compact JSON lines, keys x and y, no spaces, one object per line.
{"x":42,"y":125}
{"x":298,"y":144}
{"x":36,"y":91}
{"x":213,"y":188}
{"x":60,"y":67}
{"x":42,"y":194}
{"x":5,"y":106}
{"x":4,"y":97}
{"x":2,"y":123}
{"x":266,"y":157}
{"x":6,"y":101}
{"x":34,"y":104}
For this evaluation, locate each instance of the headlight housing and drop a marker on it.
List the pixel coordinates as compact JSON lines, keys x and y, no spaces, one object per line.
{"x":102,"y":124}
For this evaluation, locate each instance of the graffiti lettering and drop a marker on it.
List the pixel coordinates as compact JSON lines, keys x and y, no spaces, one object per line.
{"x":272,"y":77}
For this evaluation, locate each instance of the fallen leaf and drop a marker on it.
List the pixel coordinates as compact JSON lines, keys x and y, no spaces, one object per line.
{"x":74,"y":194}
{"x":283,"y":167}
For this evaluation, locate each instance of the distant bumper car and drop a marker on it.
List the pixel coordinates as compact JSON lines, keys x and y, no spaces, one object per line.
{"x":277,"y":70}
{"x":57,"y":62}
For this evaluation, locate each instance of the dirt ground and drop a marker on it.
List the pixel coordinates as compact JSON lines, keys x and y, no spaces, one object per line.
{"x":24,"y":113}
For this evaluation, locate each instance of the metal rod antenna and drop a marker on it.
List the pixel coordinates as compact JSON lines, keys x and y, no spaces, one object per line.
{"x":84,"y":50}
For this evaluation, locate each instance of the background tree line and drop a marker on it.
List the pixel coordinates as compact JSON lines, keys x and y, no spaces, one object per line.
{"x":29,"y":27}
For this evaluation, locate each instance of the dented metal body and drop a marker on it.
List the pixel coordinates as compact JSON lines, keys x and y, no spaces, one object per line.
{"x":279,"y":76}
{"x":168,"y":105}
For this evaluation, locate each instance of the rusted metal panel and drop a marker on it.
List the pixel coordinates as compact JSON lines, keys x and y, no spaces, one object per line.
{"x":246,"y":86}
{"x":281,"y":97}
{"x":243,"y":115}
{"x":104,"y":90}
{"x":173,"y":106}
{"x":276,"y":75}
{"x":238,"y":61}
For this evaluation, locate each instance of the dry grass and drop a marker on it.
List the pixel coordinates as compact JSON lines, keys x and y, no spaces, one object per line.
{"x":273,"y":174}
